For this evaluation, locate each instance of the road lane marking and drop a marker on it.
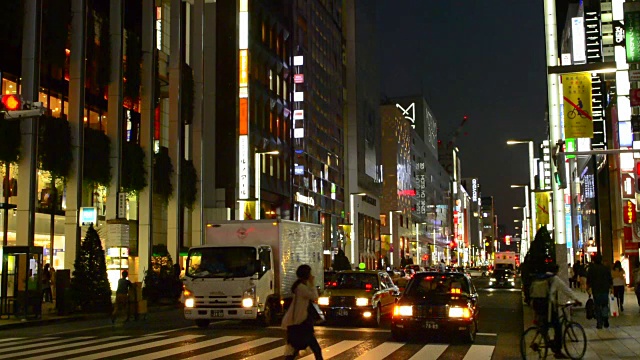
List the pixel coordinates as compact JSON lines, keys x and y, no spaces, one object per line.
{"x":268,"y":355}
{"x":25,"y":340}
{"x":430,"y":352}
{"x":235,"y":349}
{"x":83,"y":330}
{"x":335,"y":350}
{"x":41,"y":344}
{"x":60,"y":347}
{"x":486,"y":334}
{"x":144,"y":346}
{"x":186,"y":348}
{"x":478,"y":352}
{"x":381,"y":351}
{"x":10,"y":339}
{"x":168,"y":331}
{"x":360,"y":330}
{"x":69,"y":353}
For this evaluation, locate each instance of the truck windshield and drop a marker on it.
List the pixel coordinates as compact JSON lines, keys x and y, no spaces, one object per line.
{"x":221,"y":262}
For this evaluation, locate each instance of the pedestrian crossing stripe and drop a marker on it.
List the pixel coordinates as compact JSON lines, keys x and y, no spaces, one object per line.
{"x":205,"y":347}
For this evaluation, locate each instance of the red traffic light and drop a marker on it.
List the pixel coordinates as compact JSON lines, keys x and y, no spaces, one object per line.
{"x":11,"y":102}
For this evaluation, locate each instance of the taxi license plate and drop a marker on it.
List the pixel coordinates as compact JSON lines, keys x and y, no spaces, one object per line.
{"x":342,"y":312}
{"x":217,"y":313}
{"x":431,"y":325}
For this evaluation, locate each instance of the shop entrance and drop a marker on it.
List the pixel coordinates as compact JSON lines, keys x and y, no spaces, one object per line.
{"x":20,"y":283}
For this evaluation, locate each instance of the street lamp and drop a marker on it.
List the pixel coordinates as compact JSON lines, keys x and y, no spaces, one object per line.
{"x":532,"y":185}
{"x":258,"y":165}
{"x":353,"y":223}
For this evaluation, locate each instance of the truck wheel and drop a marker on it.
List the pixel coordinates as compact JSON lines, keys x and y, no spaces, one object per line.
{"x":202,"y":324}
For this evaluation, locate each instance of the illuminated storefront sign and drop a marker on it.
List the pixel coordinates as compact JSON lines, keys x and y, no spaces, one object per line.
{"x":627,"y":187}
{"x":244,"y":166}
{"x":632,"y":31}
{"x":629,"y":212}
{"x":577,"y":35}
{"x":243,"y":105}
{"x":305,"y":199}
{"x":409,"y":113}
{"x":474,"y":190}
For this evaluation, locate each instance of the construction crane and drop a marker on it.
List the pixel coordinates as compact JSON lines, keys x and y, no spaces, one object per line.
{"x":454,"y":137}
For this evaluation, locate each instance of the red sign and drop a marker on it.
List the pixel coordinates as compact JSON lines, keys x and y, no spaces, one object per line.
{"x":634,"y":96}
{"x":629,"y":212}
{"x":411,"y":192}
{"x":298,"y":78}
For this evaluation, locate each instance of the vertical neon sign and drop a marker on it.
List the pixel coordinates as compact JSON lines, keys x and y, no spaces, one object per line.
{"x":243,"y":106}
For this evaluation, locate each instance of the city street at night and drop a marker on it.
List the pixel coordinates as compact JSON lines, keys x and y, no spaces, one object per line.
{"x":167,"y":334}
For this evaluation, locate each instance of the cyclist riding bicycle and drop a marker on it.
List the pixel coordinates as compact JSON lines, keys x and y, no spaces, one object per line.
{"x":551,"y":315}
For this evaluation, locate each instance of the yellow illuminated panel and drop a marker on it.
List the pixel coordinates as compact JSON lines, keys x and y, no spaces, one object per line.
{"x":244,"y":68}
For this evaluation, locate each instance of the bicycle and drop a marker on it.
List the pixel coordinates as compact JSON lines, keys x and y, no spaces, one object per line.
{"x":571,"y":114}
{"x":535,"y":342}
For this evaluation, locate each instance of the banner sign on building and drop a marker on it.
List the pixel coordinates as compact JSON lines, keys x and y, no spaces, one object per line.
{"x":632,"y":31}
{"x":542,"y":208}
{"x":627,"y":186}
{"x":629,"y":212}
{"x":578,"y":118}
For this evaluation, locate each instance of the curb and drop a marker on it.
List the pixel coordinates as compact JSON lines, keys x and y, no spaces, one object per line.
{"x":73,"y":318}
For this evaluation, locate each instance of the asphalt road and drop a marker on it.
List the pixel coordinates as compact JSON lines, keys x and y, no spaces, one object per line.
{"x":168,"y":335}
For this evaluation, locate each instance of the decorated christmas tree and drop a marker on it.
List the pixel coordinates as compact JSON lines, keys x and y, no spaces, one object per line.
{"x":89,"y":284}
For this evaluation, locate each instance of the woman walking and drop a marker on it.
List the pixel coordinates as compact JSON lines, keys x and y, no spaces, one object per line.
{"x":299,"y":319}
{"x":619,"y":282}
{"x":46,"y":284}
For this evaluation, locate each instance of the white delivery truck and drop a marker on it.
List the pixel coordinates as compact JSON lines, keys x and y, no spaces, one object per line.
{"x":246,"y":269}
{"x":505,"y":260}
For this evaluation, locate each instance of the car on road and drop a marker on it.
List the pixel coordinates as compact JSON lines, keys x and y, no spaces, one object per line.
{"x":414,"y":267}
{"x":478,"y":271}
{"x":437,"y":302}
{"x":502,"y":278}
{"x":365,"y":295}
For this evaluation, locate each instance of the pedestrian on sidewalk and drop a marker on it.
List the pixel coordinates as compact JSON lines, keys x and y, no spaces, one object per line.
{"x":576,"y":274}
{"x":599,"y":283}
{"x":46,"y":284}
{"x":619,"y":283}
{"x":122,"y":297}
{"x":299,"y":318}
{"x":572,"y":277}
{"x":582,"y":275}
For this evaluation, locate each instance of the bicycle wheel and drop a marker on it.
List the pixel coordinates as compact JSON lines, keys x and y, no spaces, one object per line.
{"x":574,"y":340}
{"x":533,"y":344}
{"x":572,"y":114}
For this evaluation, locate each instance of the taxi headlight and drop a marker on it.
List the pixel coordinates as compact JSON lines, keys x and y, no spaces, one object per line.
{"x":403,"y":310}
{"x":459,"y":312}
{"x":247,"y":302}
{"x":362,"y":301}
{"x":189,"y":303}
{"x":324,"y":301}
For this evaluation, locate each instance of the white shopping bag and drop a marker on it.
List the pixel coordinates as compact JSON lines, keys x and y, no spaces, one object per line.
{"x":613,"y":306}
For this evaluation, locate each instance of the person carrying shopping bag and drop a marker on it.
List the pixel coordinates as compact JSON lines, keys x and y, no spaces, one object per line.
{"x":619,"y":283}
{"x":299,"y":318}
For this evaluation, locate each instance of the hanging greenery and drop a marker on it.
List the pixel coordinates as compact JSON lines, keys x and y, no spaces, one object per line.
{"x":96,"y":164}
{"x":134,"y":174}
{"x":132,"y":69}
{"x":90,"y":287}
{"x":188,"y":86}
{"x":189,"y":184}
{"x":162,"y":173}
{"x":54,"y":146}
{"x":10,"y":140}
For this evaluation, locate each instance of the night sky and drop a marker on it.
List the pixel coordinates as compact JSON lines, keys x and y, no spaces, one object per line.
{"x":483,"y":59}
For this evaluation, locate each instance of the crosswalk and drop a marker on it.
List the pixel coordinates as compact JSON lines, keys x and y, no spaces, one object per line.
{"x":206,"y":346}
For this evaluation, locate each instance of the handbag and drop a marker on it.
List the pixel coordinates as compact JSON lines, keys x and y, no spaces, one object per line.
{"x":613,"y":306}
{"x":299,"y":336}
{"x":590,"y":308}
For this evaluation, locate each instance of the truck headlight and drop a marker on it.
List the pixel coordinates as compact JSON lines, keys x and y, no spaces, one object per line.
{"x":362,"y":301}
{"x":189,"y":303}
{"x":492,"y":279}
{"x":404,"y":310}
{"x":459,"y":312}
{"x":248,"y":297}
{"x":324,"y":301}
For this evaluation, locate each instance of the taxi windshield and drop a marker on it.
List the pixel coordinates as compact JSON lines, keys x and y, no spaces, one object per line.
{"x":425,"y":285}
{"x":356,"y":281}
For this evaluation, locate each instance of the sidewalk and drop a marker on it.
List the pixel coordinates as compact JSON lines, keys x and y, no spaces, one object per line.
{"x":620,"y":341}
{"x":50,"y":316}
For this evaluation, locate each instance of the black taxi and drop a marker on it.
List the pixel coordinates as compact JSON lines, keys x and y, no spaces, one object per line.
{"x":437,"y":302}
